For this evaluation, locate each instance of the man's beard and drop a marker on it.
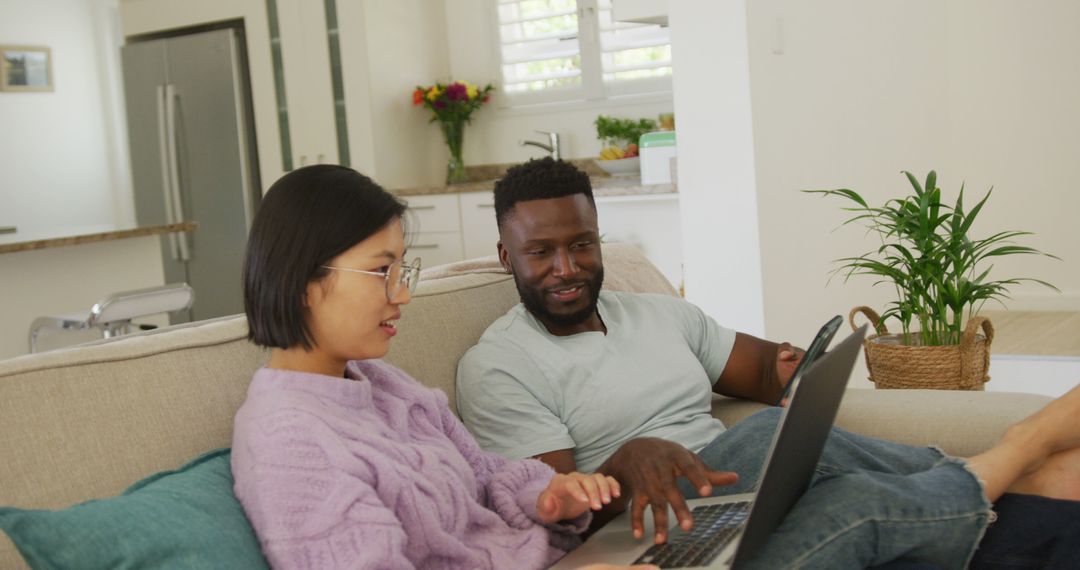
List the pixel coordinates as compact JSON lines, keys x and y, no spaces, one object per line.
{"x":533,"y":300}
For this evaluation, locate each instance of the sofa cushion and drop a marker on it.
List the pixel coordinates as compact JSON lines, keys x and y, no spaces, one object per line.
{"x":85,"y":422}
{"x":187,"y":518}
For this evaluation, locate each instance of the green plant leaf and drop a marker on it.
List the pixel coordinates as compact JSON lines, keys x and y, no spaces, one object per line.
{"x":926,"y":254}
{"x":849,"y":194}
{"x":622,"y":132}
{"x":914,"y":183}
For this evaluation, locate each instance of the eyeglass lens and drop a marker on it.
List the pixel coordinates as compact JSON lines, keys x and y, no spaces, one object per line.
{"x":399,"y":276}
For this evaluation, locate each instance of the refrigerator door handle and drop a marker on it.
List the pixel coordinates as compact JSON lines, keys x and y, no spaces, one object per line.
{"x":163,"y":150}
{"x":174,"y":167}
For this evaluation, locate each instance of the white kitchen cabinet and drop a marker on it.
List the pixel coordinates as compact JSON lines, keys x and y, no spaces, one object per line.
{"x":435,"y":248}
{"x":443,"y":228}
{"x":308,"y":88}
{"x":650,"y":222}
{"x":479,"y":231}
{"x":433,"y":229}
{"x":433,"y":213}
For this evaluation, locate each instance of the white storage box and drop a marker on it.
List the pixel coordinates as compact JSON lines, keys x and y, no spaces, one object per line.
{"x":656,"y":150}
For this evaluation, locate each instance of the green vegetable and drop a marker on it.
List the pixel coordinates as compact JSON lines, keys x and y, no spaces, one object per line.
{"x":622,"y":132}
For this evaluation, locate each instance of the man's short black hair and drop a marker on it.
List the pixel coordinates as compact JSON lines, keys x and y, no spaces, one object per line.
{"x":538,"y":180}
{"x":308,"y":217}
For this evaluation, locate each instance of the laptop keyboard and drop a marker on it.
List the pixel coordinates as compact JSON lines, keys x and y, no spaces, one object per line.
{"x":714,"y":527}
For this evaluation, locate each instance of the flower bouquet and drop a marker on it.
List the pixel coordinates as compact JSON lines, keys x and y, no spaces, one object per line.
{"x":451,"y":105}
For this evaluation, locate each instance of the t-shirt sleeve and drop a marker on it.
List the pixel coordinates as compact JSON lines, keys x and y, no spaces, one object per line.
{"x":710,"y":342}
{"x":507,"y":403}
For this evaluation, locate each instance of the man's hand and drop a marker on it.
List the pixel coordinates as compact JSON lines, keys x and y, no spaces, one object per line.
{"x":569,"y":496}
{"x":648,"y":468}
{"x":787,"y":359}
{"x":757,"y":369}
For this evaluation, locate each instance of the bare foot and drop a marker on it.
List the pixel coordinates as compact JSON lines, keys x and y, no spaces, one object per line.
{"x":1055,"y":426}
{"x":1057,"y":478}
{"x":1026,"y":446}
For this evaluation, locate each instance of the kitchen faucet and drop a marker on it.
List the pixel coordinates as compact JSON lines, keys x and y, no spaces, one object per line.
{"x":552,"y":146}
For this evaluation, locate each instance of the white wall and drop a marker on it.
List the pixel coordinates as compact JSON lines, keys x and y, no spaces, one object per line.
{"x":853,"y":97}
{"x":844,"y":93}
{"x":849,"y":93}
{"x":716,"y":179}
{"x":1014,"y":104}
{"x":405,"y":43}
{"x":986,"y":96}
{"x":59,"y":149}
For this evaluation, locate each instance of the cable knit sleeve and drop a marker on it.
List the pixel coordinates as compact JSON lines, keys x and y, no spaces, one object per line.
{"x":511,"y":488}
{"x":308,"y":512}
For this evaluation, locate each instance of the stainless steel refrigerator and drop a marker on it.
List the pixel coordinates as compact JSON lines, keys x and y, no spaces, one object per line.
{"x":193,"y":158}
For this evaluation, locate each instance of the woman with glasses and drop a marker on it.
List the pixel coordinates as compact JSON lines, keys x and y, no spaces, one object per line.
{"x":342,"y":460}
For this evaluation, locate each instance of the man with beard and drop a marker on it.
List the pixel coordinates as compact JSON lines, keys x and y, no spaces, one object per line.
{"x":622,"y":383}
{"x":586,"y":380}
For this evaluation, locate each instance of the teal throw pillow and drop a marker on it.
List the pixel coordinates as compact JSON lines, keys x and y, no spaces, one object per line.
{"x":187,"y":518}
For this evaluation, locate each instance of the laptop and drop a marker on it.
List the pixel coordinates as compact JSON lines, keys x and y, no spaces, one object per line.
{"x":728,"y":531}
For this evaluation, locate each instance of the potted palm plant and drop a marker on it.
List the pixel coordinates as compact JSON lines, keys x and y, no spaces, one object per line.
{"x":942,"y":279}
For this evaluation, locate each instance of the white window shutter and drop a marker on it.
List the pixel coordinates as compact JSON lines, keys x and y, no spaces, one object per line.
{"x":634,"y":57}
{"x":557,"y":50}
{"x":539,"y":45}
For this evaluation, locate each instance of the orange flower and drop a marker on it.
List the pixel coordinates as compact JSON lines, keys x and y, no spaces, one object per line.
{"x":418,"y":96}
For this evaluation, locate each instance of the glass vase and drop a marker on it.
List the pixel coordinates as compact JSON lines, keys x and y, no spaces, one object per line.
{"x":454,"y":135}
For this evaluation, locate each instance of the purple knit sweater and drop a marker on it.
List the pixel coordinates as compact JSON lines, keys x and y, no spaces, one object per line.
{"x":376,"y":472}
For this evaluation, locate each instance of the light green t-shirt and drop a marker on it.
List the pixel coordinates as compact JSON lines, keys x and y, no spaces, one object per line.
{"x":522,"y":391}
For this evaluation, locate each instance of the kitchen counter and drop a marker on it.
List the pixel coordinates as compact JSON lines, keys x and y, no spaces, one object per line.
{"x":18,"y":241}
{"x":603,"y":186}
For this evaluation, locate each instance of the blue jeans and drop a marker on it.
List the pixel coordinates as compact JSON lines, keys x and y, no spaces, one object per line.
{"x":870,"y":502}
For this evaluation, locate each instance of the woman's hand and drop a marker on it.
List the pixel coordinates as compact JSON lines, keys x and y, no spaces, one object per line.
{"x":569,"y":496}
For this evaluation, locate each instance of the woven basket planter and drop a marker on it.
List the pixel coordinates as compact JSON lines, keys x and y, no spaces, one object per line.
{"x":893,"y":364}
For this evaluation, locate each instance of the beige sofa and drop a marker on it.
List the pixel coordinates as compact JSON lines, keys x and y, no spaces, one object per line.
{"x":87,"y":422}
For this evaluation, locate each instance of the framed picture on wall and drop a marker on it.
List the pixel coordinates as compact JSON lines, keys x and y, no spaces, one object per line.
{"x":25,"y":68}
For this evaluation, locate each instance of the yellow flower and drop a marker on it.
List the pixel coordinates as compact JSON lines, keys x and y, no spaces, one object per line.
{"x":433,"y":93}
{"x":471,"y":90}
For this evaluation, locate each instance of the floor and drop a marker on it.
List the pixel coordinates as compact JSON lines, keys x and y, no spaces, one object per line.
{"x":1034,"y":351}
{"x":1043,"y":333}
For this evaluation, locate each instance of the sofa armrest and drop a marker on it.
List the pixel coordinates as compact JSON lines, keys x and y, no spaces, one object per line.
{"x":961,"y":423}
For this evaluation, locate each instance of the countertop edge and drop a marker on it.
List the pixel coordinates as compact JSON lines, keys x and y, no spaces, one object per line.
{"x":97,"y":237}
{"x":602,"y":186}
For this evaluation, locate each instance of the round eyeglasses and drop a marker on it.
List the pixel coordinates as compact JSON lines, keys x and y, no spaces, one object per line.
{"x":398,"y":275}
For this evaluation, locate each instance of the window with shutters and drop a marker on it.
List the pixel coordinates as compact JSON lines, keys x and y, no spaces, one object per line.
{"x":562,"y":50}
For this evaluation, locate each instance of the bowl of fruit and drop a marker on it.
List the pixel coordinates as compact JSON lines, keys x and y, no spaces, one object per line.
{"x":619,"y":156}
{"x":617,"y":161}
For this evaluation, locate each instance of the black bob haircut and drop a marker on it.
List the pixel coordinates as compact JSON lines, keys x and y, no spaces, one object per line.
{"x":308,"y":217}
{"x":539,"y":180}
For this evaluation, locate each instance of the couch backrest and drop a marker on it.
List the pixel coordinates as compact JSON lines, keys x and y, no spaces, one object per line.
{"x":87,"y":422}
